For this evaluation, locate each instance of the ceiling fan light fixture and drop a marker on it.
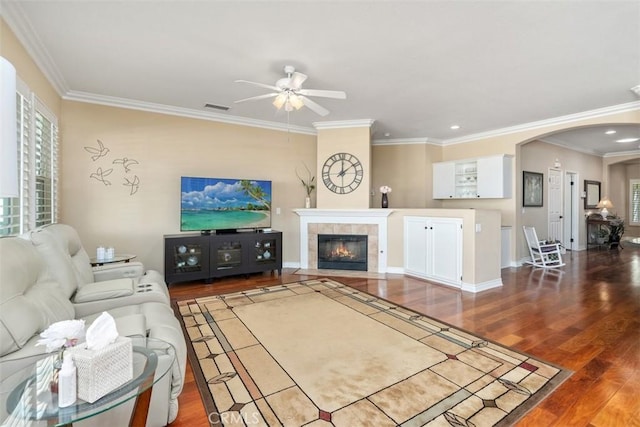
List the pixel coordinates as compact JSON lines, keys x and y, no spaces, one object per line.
{"x":296,"y":101}
{"x":280,"y":100}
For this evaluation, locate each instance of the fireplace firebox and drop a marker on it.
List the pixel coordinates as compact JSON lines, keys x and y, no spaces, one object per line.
{"x":342,"y":252}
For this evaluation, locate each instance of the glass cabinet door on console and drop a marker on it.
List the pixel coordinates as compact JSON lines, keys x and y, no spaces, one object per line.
{"x":267,"y":252}
{"x":226,"y":256}
{"x":186,"y":258}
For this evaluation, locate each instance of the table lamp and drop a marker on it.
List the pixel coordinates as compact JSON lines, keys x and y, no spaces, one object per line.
{"x":604,"y":204}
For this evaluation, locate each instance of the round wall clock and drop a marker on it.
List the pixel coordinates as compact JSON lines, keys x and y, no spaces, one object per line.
{"x":342,"y":173}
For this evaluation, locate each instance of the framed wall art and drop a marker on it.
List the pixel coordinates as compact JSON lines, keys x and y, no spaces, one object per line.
{"x":592,"y":194}
{"x":532,"y":185}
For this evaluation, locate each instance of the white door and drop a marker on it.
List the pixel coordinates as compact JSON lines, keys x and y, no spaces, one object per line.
{"x":555,"y":206}
{"x":415,"y":247}
{"x":446,"y":250}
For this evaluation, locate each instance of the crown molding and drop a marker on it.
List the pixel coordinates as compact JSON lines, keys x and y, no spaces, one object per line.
{"x":623,"y":153}
{"x":570,"y":118}
{"x":112,"y":101}
{"x":562,"y":144}
{"x":407,"y":141}
{"x":14,"y":17}
{"x":344,"y":124}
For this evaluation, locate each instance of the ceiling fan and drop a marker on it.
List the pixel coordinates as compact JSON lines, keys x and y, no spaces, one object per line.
{"x":288,"y":93}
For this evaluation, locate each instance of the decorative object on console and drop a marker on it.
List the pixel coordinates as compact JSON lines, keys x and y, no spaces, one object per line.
{"x":385,"y":189}
{"x":309,"y":185}
{"x":604,"y":204}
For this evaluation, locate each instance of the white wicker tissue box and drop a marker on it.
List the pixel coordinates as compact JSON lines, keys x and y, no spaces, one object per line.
{"x":102,"y":371}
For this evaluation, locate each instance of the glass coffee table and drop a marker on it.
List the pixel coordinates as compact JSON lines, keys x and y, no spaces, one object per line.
{"x":26,"y":397}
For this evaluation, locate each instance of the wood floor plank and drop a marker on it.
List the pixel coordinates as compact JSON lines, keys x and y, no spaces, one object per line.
{"x":585,"y":319}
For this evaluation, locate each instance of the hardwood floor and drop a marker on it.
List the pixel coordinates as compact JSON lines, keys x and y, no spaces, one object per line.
{"x":585,"y":318}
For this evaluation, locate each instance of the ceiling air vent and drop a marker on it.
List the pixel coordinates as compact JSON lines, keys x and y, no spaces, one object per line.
{"x":217,"y":107}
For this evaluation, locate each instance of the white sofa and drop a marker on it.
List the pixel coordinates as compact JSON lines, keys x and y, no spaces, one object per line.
{"x":37,"y":288}
{"x":93,"y":289}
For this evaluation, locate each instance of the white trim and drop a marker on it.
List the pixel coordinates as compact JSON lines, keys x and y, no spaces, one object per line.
{"x":344,"y":216}
{"x":570,"y":118}
{"x":28,"y":36}
{"x":622,"y":153}
{"x":344,"y":124}
{"x":407,"y":141}
{"x":559,"y":143}
{"x":479,"y":287}
{"x":113,"y":101}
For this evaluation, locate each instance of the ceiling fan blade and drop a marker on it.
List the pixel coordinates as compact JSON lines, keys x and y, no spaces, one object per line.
{"x":337,"y":94}
{"x":254,"y":98}
{"x":258,"y":84}
{"x":296,"y":80}
{"x":316,"y":108}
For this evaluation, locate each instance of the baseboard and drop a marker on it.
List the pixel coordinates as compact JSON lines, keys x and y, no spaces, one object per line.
{"x":479,"y":287}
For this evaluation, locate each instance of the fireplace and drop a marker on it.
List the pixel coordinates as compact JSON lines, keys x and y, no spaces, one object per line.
{"x":342,"y":251}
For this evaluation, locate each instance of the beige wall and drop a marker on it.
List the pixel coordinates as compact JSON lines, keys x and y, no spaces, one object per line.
{"x":407,"y":170}
{"x":355,"y":141}
{"x":166,"y":148}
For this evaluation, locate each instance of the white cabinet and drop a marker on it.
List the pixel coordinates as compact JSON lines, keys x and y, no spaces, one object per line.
{"x":433,"y":249}
{"x":484,"y":178}
{"x":444,"y":183}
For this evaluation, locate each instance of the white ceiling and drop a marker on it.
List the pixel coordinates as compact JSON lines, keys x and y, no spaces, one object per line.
{"x":415,"y":67}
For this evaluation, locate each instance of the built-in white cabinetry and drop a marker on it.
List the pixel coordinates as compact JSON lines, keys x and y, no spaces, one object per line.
{"x":482,"y":177}
{"x":433,"y":249}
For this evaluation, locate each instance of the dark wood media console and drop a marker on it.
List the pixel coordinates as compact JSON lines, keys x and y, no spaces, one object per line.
{"x":189,"y":257}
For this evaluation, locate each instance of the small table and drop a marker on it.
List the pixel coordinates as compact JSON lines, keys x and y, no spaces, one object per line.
{"x":117,"y":258}
{"x":26,"y":395}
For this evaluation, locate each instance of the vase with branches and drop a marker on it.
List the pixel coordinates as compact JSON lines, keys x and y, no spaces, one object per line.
{"x":308,"y":184}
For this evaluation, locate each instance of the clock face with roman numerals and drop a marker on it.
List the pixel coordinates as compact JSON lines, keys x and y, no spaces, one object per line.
{"x":342,"y":173}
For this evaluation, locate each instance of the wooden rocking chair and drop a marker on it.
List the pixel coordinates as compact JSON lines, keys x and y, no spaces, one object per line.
{"x":543,"y":254}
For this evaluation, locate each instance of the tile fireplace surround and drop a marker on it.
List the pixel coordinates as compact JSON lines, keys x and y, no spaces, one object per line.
{"x":372,"y":222}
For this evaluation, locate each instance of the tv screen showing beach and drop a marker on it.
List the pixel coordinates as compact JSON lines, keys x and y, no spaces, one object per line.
{"x":224,"y":204}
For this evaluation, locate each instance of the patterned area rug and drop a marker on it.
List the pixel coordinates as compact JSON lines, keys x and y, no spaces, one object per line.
{"x":319,"y":353}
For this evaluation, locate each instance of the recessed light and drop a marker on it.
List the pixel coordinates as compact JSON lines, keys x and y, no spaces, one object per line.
{"x":610,"y":132}
{"x":623,"y":140}
{"x":387,"y":134}
{"x":454,"y":127}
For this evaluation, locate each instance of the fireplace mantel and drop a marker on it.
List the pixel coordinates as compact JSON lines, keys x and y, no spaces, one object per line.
{"x":344,"y":216}
{"x":366,"y":213}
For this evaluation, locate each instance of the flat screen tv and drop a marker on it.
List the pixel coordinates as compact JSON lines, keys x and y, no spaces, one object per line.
{"x":224,"y":205}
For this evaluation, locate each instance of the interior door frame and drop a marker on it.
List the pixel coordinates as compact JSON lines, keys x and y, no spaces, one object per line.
{"x":571,"y":218}
{"x":559,"y":203}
